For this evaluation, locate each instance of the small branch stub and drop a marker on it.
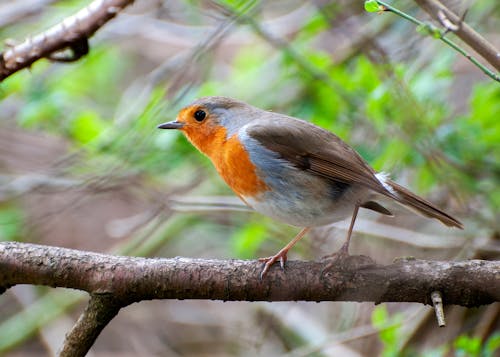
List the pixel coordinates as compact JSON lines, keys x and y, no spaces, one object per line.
{"x":447,"y":23}
{"x":437,"y":301}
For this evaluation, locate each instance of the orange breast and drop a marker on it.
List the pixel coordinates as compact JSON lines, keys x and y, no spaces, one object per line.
{"x":230,"y":159}
{"x":237,"y":170}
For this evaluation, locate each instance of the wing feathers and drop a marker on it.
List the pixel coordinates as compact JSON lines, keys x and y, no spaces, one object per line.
{"x":314,"y":149}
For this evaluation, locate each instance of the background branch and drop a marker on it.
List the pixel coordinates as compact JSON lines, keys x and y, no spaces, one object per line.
{"x":463,"y":31}
{"x":450,"y":22}
{"x":72,"y":33}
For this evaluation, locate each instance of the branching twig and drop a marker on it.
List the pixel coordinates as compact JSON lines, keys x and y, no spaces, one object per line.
{"x":72,"y":33}
{"x":102,"y":308}
{"x":472,"y":38}
{"x":466,"y":33}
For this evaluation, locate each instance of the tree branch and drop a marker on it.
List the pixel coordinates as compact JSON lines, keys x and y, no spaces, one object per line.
{"x":129,"y":279}
{"x":72,"y":33}
{"x":115,"y":282}
{"x":466,"y":33}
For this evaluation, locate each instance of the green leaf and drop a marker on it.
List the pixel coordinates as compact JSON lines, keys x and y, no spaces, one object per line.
{"x":425,"y":179}
{"x":467,"y":346}
{"x":11,"y":223}
{"x":492,"y":345}
{"x":247,"y":240}
{"x":395,"y":151}
{"x":380,"y":316}
{"x":86,"y":127}
{"x":372,"y":6}
{"x":389,"y":330}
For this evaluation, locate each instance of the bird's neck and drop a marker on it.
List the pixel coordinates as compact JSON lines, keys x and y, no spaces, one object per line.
{"x":207,"y":141}
{"x":231,"y":160}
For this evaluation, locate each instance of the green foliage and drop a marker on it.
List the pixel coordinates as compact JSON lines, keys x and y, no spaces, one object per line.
{"x":389,"y":327}
{"x":372,"y":6}
{"x":86,"y":126}
{"x":247,"y":240}
{"x":466,"y":346}
{"x":472,"y":143}
{"x":11,"y":222}
{"x":59,"y":102}
{"x":492,"y":345}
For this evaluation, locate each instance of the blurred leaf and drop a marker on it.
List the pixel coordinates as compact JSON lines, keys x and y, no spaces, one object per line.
{"x":247,"y":240}
{"x":467,"y":346}
{"x":380,"y":316}
{"x":86,"y":126}
{"x":389,"y":335}
{"x":97,"y":75}
{"x":11,"y":223}
{"x":492,"y":345}
{"x":394,"y":152}
{"x":315,"y":24}
{"x":425,"y":179}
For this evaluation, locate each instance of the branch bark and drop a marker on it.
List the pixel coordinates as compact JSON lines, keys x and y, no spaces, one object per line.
{"x":72,"y":33}
{"x":129,"y":279}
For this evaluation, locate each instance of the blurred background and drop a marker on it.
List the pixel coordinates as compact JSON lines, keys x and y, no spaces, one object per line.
{"x":83,"y":166}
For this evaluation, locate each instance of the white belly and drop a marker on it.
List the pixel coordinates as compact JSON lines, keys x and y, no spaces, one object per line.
{"x":309,"y":210}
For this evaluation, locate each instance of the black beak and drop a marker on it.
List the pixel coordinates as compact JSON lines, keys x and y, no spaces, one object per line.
{"x":171,"y":125}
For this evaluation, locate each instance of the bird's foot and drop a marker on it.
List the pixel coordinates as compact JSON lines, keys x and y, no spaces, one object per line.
{"x":342,"y":260}
{"x":341,"y":255}
{"x":269,"y":261}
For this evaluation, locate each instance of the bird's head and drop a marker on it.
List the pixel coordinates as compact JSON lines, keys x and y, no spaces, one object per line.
{"x":209,"y":121}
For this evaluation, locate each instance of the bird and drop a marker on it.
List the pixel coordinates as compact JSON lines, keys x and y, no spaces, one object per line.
{"x":291,"y":170}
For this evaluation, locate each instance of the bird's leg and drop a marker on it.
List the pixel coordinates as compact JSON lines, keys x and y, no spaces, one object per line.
{"x":282,"y":254}
{"x":343,"y":252}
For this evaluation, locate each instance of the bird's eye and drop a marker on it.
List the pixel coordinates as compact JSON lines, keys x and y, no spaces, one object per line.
{"x":199,"y":115}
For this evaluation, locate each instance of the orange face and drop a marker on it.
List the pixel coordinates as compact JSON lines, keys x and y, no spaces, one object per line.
{"x":227,"y":154}
{"x":201,"y":130}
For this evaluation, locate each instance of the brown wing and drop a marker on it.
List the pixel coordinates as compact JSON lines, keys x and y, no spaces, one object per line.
{"x":314,"y":149}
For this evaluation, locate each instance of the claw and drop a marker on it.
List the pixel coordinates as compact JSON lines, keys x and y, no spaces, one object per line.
{"x":283,"y":261}
{"x":269,"y":261}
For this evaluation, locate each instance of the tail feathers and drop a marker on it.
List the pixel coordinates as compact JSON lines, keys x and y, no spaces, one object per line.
{"x":424,"y":207}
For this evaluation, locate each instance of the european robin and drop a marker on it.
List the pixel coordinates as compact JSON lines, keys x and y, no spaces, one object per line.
{"x":290,"y":169}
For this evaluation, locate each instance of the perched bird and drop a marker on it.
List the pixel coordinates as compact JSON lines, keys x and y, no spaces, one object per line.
{"x":290,"y":169}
